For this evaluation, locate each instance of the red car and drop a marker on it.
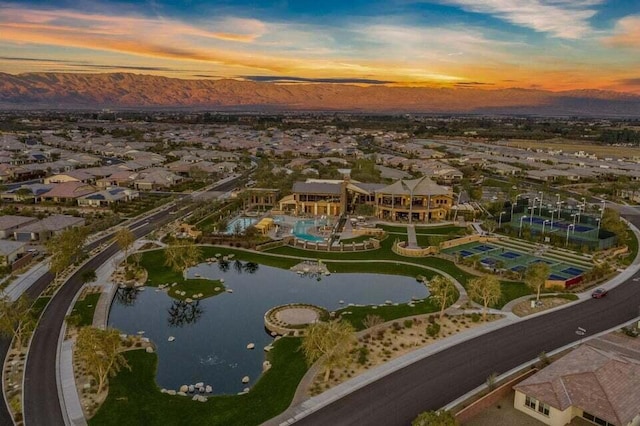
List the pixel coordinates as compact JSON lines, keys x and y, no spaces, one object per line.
{"x":599,"y":293}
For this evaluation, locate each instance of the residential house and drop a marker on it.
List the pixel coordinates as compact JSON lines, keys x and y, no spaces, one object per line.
{"x":68,"y":191}
{"x":108,"y":197}
{"x":599,"y":381}
{"x":26,"y":193}
{"x":156,"y":178}
{"x":120,"y":178}
{"x":70,"y":176}
{"x":44,"y":229}
{"x":10,"y":251}
{"x":10,"y":223}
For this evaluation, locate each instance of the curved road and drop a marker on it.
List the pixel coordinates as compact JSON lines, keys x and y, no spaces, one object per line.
{"x":41,"y":402}
{"x":437,"y":380}
{"x":393,"y":400}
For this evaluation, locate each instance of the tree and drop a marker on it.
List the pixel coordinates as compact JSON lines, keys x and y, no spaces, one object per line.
{"x":487,"y":290}
{"x":535,"y":276}
{"x":182,"y":254}
{"x":371,"y":321}
{"x":435,"y":418}
{"x":611,"y":222}
{"x":66,"y":248}
{"x":125,"y":239}
{"x":490,"y":225}
{"x":99,"y":351}
{"x":16,"y":318}
{"x":443,"y":291}
{"x":331,"y":341}
{"x":88,"y":276}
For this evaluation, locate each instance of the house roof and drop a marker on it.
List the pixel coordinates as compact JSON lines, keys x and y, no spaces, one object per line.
{"x":600,"y":377}
{"x":317,"y":188}
{"x":7,"y":247}
{"x":54,"y":222}
{"x":421,"y":186}
{"x":69,"y":190}
{"x":10,"y":221}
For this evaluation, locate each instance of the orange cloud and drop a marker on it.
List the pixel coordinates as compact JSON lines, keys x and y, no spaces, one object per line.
{"x":626,"y":33}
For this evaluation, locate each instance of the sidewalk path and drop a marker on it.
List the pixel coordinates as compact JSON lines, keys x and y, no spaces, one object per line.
{"x":23,"y":281}
{"x":411,"y":236}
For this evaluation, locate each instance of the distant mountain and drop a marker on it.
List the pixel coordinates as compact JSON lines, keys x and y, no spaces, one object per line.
{"x":121,"y":90}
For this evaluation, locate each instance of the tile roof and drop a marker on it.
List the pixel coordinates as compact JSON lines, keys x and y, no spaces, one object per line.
{"x":601,"y":377}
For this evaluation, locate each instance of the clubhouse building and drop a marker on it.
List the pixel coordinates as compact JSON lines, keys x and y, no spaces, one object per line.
{"x":407,"y":200}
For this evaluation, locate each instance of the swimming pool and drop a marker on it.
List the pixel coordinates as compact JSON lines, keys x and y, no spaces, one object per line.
{"x":301,"y":229}
{"x":240,"y":224}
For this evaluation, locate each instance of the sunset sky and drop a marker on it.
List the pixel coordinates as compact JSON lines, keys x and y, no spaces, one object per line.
{"x":548,"y":44}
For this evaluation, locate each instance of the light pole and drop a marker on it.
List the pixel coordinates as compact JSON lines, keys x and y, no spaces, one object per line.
{"x":514,"y":203}
{"x":533,"y":209}
{"x":604,"y":203}
{"x":559,"y":204}
{"x":500,"y":220}
{"x":541,"y":198}
{"x":598,"y":222}
{"x":543,"y":224}
{"x":566,"y":243}
{"x":573,"y":215}
{"x":521,"y":219}
{"x":552,"y":211}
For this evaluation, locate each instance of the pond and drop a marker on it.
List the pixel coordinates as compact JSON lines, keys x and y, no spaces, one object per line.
{"x":211,"y":335}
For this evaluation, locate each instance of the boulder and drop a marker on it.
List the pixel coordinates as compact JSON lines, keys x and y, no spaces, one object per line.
{"x":149,"y":349}
{"x":251,"y":345}
{"x":181,"y":394}
{"x":171,"y":392}
{"x":245,"y":379}
{"x":208,"y":389}
{"x":266,"y":366}
{"x":192,"y":388}
{"x":184,"y":388}
{"x":199,"y":384}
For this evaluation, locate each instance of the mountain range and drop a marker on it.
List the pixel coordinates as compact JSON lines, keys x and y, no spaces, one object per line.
{"x":124,"y":90}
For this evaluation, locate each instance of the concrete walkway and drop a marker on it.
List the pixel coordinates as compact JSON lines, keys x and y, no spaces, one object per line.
{"x":412,"y":239}
{"x":23,"y":281}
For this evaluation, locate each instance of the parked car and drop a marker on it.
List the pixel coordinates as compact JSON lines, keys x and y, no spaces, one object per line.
{"x":599,"y":293}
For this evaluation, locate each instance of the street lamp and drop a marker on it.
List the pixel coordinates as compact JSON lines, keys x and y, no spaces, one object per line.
{"x":598,"y":222}
{"x":566,"y":243}
{"x":604,"y":203}
{"x":543,"y":224}
{"x":500,"y":220}
{"x":541,"y":198}
{"x":559,"y":204}
{"x":573,"y":215}
{"x":521,"y":219}
{"x":533,"y":210}
{"x":552,"y":211}
{"x":514,"y":203}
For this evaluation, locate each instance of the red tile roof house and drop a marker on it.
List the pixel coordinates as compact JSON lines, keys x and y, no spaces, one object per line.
{"x":68,"y":191}
{"x":599,"y":381}
{"x":47,"y":227}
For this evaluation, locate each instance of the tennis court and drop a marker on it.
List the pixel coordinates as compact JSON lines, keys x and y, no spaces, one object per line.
{"x":496,"y":257}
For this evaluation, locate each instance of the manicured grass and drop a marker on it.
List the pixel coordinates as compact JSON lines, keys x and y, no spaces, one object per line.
{"x":385,"y":268}
{"x":158,"y":273}
{"x":387,"y":313}
{"x":251,"y":256}
{"x":84,"y":309}
{"x":511,"y":290}
{"x":134,"y":398}
{"x":39,"y":304}
{"x":427,"y":230}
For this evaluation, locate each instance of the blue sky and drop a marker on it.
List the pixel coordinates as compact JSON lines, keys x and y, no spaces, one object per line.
{"x":551,"y":44}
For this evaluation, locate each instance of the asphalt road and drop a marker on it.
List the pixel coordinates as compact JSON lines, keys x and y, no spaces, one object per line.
{"x":41,"y":403}
{"x":393,"y":400}
{"x":439,"y":379}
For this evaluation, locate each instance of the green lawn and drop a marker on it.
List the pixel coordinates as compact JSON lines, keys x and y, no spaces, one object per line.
{"x":387,"y":313}
{"x":134,"y":398}
{"x":85,"y":308}
{"x":158,"y":273}
{"x":511,"y":290}
{"x":427,"y":230}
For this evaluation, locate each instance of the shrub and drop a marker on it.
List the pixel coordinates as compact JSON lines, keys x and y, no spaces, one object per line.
{"x":433,"y":329}
{"x":475,"y":317}
{"x":408,"y":323}
{"x":363,"y":355}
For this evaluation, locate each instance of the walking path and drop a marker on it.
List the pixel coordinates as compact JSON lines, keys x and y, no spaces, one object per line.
{"x":23,"y":281}
{"x":412,"y":242}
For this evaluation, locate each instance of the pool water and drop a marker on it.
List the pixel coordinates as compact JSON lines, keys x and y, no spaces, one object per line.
{"x":302,"y":227}
{"x":240,"y":224}
{"x":211,"y":335}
